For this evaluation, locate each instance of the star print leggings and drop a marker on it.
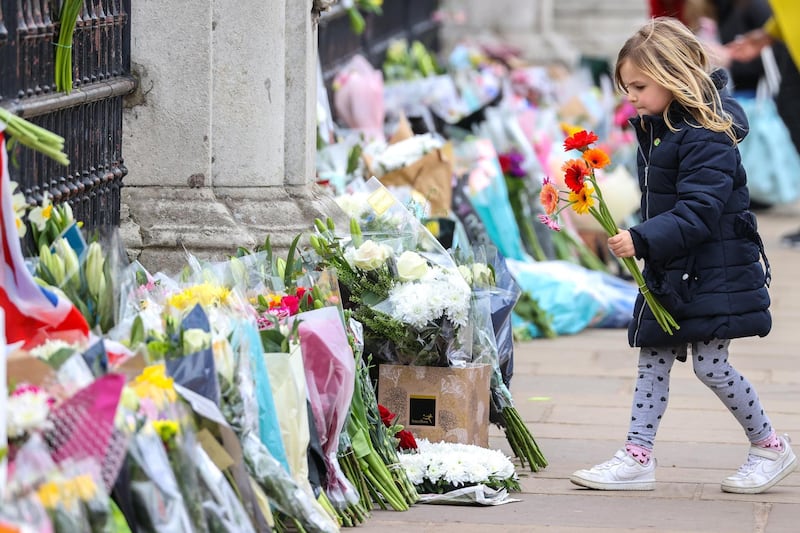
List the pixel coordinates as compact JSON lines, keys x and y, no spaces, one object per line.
{"x":711,"y":366}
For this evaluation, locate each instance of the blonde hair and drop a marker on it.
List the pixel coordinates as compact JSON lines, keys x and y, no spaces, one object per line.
{"x":669,"y":53}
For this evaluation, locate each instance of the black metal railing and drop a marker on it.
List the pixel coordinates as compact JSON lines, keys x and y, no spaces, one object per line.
{"x":412,"y":20}
{"x":89,"y":117}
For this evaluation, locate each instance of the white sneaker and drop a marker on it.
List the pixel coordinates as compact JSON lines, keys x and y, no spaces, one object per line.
{"x":621,"y":472}
{"x":763,"y":469}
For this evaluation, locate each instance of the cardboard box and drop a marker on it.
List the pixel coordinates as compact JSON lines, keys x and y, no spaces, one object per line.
{"x":439,"y":403}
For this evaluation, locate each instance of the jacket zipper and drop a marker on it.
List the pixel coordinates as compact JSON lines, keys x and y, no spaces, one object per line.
{"x":646,"y":216}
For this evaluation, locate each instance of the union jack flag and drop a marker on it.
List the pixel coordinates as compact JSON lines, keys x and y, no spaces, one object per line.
{"x":32,"y":312}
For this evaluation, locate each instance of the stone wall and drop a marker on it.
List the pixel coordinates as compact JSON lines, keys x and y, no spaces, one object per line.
{"x":219,"y":138}
{"x":546,"y":30}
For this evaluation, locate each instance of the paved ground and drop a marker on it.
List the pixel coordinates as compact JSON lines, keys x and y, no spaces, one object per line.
{"x":574,"y":392}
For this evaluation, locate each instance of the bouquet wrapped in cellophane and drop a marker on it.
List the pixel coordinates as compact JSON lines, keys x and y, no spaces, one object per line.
{"x":494,"y":295}
{"x":216,"y":354}
{"x":309,"y":363}
{"x":399,"y":283}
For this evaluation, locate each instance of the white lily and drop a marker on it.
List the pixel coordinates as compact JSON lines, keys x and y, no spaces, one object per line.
{"x":40,"y":215}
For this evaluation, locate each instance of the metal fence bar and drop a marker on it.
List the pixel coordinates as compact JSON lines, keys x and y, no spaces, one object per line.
{"x":410,"y":19}
{"x":89,"y":117}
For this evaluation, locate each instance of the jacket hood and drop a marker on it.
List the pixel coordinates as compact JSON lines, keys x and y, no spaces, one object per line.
{"x":740,"y":124}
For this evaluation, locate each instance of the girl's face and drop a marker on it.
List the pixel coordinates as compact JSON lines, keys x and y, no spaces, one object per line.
{"x":647,"y":96}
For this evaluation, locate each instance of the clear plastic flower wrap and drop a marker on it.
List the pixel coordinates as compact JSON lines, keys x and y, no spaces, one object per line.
{"x":157,"y":499}
{"x":223,"y":510}
{"x":330,"y":377}
{"x":283,"y":491}
{"x":142,"y":296}
{"x":484,"y":269}
{"x":287,"y":378}
{"x":178,"y":438}
{"x":245,"y":341}
{"x":25,"y":514}
{"x":242,"y":416}
{"x":399,"y":282}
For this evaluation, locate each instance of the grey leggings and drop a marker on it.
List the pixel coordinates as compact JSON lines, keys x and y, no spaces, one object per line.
{"x":711,"y":366}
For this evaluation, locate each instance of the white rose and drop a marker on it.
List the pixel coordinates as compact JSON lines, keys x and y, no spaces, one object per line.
{"x":411,"y":266}
{"x":370,"y":255}
{"x":482,"y":275}
{"x":195,"y":340}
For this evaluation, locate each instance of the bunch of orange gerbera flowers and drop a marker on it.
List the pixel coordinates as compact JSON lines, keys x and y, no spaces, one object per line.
{"x":584,"y":196}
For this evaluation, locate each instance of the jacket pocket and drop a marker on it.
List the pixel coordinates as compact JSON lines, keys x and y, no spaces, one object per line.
{"x":672,"y":287}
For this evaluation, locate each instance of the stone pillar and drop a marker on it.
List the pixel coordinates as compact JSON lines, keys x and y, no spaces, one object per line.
{"x":219,"y":138}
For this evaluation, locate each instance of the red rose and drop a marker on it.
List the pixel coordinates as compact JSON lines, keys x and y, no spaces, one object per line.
{"x":387,"y":417}
{"x":407,"y":440}
{"x":505,"y":163}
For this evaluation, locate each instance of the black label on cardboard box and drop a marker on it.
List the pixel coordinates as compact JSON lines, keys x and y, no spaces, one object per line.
{"x":422,"y":410}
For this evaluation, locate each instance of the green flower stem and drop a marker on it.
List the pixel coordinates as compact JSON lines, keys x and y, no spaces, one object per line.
{"x":521,"y":440}
{"x":70,"y":9}
{"x":663,"y":317}
{"x":353,"y":473}
{"x":34,"y":137}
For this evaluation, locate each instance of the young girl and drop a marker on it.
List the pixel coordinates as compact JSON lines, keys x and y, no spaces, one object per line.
{"x":701,"y":251}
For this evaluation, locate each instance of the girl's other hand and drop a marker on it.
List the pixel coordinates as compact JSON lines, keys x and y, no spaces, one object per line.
{"x":621,"y":244}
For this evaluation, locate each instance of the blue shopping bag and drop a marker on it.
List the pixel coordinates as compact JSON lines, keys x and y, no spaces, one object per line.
{"x":768,"y":154}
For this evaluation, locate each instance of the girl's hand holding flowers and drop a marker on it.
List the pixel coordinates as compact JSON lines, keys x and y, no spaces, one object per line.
{"x":621,"y":244}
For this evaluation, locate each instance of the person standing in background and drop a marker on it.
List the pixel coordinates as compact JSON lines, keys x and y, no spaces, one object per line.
{"x":735,"y":18}
{"x":780,"y":28}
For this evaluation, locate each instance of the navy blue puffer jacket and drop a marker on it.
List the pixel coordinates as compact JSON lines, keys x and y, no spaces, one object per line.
{"x":698,"y":239}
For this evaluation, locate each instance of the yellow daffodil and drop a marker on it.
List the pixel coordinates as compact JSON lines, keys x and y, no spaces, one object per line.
{"x":153,"y":383}
{"x":84,"y":487}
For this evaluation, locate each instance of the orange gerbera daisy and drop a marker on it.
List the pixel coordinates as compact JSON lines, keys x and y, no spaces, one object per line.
{"x":582,"y":200}
{"x":548,"y":196}
{"x":575,"y":170}
{"x":596,"y":158}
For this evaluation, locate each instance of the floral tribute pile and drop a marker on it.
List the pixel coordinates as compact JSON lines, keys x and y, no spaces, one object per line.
{"x":237,"y":395}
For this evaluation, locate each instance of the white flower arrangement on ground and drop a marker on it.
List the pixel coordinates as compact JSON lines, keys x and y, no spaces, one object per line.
{"x":445,"y":466}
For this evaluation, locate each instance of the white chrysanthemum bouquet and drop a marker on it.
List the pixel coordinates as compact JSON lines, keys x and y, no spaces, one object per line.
{"x":444,"y":466}
{"x":399,"y":283}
